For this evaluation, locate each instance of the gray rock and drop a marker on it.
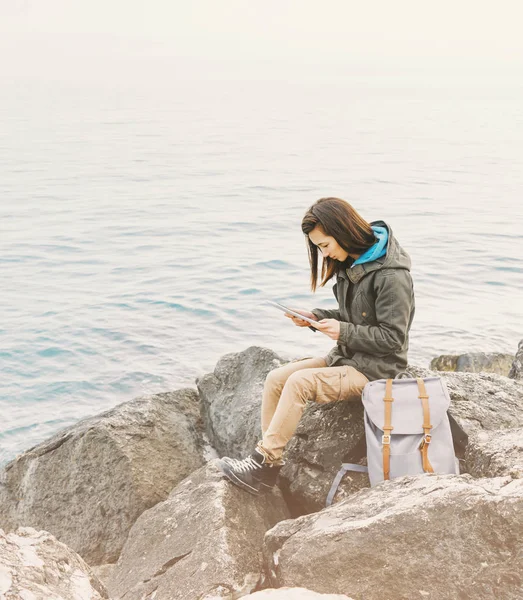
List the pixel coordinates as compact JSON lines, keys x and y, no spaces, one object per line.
{"x":34,"y":565}
{"x":204,"y":541}
{"x":445,"y":362}
{"x":103,"y":572}
{"x":435,"y":536}
{"x":496,"y":453}
{"x":474,"y":362}
{"x":516,"y":370}
{"x":327,"y":436}
{"x":89,"y":483}
{"x":481,"y":400}
{"x":287,"y":593}
{"x":231,"y":400}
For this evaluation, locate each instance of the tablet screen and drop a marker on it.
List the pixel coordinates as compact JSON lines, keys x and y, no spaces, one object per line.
{"x":291,"y":312}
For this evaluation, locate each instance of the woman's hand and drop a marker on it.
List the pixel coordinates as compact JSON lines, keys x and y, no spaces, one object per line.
{"x":329,"y":327}
{"x":301,"y":322}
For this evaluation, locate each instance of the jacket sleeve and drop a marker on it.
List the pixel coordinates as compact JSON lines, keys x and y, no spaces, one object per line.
{"x":393,"y":306}
{"x":323,"y":313}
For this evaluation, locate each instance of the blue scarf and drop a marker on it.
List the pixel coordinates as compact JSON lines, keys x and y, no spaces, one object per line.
{"x":378,"y":250}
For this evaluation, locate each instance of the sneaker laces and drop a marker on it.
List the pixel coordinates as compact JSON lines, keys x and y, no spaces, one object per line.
{"x":247,"y":464}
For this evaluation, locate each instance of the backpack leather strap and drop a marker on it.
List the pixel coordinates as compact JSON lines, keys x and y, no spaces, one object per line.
{"x":424,"y":446}
{"x":387,"y":428}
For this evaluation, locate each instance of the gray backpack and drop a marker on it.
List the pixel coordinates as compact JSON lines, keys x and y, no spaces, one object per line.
{"x":407,"y":430}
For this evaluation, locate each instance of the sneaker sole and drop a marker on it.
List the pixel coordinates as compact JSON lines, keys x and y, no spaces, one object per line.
{"x":226,"y":470}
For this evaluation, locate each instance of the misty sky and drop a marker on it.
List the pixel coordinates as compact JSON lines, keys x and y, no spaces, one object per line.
{"x":50,"y":37}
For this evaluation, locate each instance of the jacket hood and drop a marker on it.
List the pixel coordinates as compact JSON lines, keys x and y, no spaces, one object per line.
{"x":396,"y":258}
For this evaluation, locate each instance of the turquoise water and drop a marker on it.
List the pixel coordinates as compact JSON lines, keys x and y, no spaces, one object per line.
{"x":141,"y":230}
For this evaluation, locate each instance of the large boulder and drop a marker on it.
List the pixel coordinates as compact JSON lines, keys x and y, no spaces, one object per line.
{"x":204,"y":541}
{"x":287,"y":593}
{"x":34,"y":565}
{"x":231,"y":400}
{"x":496,"y":453}
{"x":434,"y":536}
{"x":89,"y":483}
{"x":474,"y":362}
{"x":516,"y":370}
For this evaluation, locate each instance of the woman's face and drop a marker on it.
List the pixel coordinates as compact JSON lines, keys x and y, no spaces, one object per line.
{"x":328,"y":246}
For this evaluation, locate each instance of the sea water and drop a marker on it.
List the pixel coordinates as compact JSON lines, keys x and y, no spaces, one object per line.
{"x":142,"y":229}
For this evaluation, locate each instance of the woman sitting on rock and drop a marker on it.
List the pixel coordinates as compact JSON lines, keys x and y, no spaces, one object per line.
{"x":370,"y":326}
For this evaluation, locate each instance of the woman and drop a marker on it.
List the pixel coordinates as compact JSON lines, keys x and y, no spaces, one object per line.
{"x":370,"y":326}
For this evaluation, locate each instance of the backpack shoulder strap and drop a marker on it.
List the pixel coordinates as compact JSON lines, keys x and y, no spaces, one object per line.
{"x":387,"y":428}
{"x":344,"y":468}
{"x":424,"y":446}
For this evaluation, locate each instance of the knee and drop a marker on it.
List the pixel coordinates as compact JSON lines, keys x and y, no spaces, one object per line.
{"x":299,"y":382}
{"x":295,"y":378}
{"x":275,"y":380}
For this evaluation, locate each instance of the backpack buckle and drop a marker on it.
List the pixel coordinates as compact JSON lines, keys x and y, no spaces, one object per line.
{"x":385,"y":439}
{"x":425,"y":441}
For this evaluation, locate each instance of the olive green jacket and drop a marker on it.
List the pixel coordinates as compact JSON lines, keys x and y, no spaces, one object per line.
{"x":376,"y":309}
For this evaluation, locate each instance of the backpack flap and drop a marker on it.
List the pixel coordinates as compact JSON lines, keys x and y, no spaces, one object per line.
{"x":407,"y":408}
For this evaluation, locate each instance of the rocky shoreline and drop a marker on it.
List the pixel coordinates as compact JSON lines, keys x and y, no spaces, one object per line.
{"x":129,"y":504}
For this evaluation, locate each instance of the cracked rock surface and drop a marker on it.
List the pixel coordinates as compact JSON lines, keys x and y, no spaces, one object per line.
{"x":204,"y":541}
{"x":90,"y":482}
{"x":34,"y":565}
{"x":496,"y":453}
{"x":440,"y":536}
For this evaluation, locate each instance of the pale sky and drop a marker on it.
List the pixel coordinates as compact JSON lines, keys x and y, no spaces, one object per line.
{"x":39,"y":37}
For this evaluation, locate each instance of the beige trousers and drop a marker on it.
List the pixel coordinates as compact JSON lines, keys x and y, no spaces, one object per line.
{"x":287,"y":390}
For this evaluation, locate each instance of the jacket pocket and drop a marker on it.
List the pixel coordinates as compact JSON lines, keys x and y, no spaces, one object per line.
{"x":328,"y":386}
{"x":352,"y":384}
{"x":362,"y":311}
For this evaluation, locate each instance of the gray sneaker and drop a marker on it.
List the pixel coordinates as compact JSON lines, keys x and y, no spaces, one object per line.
{"x":252,"y":474}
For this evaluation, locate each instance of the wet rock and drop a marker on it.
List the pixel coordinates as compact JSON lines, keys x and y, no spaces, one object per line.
{"x":34,"y":565}
{"x":474,"y":362}
{"x":496,"y":453}
{"x":204,"y":541}
{"x":89,"y":483}
{"x":516,"y":370}
{"x":435,"y":536}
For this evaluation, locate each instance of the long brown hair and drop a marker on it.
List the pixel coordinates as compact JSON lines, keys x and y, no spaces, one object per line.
{"x":338,"y":219}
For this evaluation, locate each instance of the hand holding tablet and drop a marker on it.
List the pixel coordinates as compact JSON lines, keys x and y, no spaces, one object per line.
{"x":293,"y":313}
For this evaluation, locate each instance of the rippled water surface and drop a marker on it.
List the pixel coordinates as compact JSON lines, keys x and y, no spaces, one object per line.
{"x":141,"y":230}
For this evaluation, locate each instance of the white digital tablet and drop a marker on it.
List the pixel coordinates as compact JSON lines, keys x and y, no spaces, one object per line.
{"x":289,"y":311}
